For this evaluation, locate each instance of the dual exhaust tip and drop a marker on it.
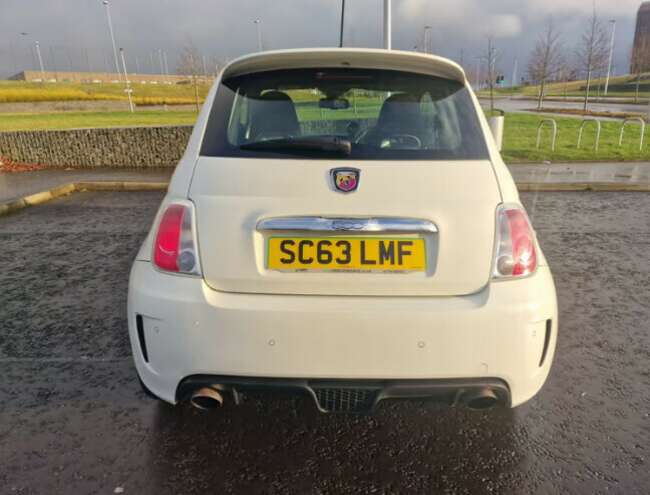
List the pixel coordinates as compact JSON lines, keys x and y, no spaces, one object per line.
{"x":210,"y":397}
{"x":481,"y":399}
{"x":206,"y":398}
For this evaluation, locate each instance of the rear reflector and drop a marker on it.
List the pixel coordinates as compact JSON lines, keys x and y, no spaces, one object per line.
{"x":175,"y":246}
{"x":515,"y":253}
{"x":547,"y":341}
{"x":143,"y":344}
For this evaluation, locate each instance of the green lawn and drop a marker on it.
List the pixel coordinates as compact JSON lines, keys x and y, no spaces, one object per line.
{"x":72,"y":120}
{"x":519,"y":138}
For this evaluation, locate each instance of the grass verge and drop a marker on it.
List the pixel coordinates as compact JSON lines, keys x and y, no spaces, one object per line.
{"x":519,"y":142}
{"x":72,"y":120}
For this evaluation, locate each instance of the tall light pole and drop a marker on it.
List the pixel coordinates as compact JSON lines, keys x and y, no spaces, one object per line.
{"x":427,"y":39}
{"x":342,"y":23}
{"x":611,"y":55}
{"x":128,"y":89}
{"x":40,"y":59}
{"x":162,"y":64}
{"x":54,"y":67}
{"x":387,"y":25}
{"x":513,"y":83}
{"x":258,"y":24}
{"x":166,"y":65}
{"x":13,"y":57}
{"x":110,"y":29}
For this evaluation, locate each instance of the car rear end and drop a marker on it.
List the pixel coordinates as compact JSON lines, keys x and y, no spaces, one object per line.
{"x":342,"y":226}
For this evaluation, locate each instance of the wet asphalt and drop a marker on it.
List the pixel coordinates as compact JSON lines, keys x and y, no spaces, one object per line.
{"x":74,"y":420}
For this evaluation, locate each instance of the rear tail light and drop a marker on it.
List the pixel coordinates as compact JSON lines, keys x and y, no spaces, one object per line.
{"x":175,"y":244}
{"x":515,"y":253}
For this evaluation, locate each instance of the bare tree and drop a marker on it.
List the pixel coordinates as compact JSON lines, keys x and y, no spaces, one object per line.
{"x":567,"y":72}
{"x":491,"y":58}
{"x":546,"y":59}
{"x":592,"y":51}
{"x":191,"y":64}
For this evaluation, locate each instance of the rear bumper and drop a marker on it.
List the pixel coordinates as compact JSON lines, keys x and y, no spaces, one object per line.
{"x":187,"y":329}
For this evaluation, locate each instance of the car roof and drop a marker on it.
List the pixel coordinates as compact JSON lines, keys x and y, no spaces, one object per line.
{"x":366,"y":58}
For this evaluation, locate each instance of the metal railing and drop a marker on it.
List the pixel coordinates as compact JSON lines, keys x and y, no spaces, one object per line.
{"x":629,"y":121}
{"x":582,"y":127}
{"x":554,"y":135}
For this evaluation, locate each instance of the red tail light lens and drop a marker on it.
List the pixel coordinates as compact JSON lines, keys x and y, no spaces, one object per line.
{"x":175,"y":248}
{"x":516,"y":255}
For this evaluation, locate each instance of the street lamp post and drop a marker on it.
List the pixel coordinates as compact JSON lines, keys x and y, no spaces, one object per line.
{"x":387,"y":25}
{"x":611,"y":55}
{"x":110,"y":29}
{"x":54,"y":65}
{"x":164,"y":53}
{"x":342,"y":23}
{"x":162,"y":65}
{"x":128,"y":89}
{"x":40,"y":60}
{"x":426,"y":42}
{"x":13,"y":57}
{"x":258,"y":24}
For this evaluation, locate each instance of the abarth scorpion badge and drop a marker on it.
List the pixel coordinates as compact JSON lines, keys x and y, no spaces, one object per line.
{"x":345,"y":180}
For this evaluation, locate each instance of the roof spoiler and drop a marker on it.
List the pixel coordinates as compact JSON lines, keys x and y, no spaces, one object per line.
{"x":346,"y":57}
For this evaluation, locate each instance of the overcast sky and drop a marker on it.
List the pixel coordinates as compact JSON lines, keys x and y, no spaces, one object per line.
{"x":74,"y":33}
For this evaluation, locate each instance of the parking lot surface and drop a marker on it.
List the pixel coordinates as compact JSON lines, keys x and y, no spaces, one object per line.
{"x":74,"y":420}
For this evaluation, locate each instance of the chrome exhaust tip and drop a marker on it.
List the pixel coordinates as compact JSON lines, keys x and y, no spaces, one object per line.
{"x":206,"y":398}
{"x":481,"y":399}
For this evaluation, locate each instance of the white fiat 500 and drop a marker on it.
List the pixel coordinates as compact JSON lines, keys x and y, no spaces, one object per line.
{"x":342,"y":226}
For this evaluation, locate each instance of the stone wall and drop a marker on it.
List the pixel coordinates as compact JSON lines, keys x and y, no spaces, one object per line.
{"x":113,"y":147}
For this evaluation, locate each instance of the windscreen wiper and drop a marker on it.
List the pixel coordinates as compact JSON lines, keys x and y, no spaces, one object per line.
{"x":326,"y":144}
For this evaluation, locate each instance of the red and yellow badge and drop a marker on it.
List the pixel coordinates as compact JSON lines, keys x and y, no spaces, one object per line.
{"x":346,"y":179}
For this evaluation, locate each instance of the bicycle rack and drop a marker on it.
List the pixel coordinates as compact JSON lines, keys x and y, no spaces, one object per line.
{"x":628,"y":121}
{"x":539,"y":132}
{"x":582,"y":127}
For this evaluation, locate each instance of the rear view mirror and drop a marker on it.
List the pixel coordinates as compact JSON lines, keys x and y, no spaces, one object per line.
{"x":334,"y":103}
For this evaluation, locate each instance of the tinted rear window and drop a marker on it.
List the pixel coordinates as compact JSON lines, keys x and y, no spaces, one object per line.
{"x":385,"y":115}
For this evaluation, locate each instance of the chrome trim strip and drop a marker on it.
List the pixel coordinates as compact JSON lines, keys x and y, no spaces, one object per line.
{"x":324,"y":224}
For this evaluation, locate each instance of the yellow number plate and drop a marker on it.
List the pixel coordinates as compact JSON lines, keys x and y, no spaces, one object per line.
{"x":346,"y":254}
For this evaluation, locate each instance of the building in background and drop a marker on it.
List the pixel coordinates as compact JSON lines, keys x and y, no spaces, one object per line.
{"x":641,"y":47}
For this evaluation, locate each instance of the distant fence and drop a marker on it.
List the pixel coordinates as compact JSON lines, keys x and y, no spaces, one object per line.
{"x":129,"y":147}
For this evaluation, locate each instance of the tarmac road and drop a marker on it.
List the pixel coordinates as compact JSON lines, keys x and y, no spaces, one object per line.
{"x":73,"y":418}
{"x":523,"y":105}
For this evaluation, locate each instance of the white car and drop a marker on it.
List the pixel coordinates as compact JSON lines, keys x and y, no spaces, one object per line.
{"x":342,"y":226}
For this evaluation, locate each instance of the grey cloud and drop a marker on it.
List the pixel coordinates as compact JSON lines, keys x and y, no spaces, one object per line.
{"x":73,"y":33}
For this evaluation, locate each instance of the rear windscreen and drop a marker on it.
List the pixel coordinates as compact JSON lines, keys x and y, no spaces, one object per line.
{"x":382,"y":114}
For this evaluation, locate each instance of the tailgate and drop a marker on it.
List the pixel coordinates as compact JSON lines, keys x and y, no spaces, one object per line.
{"x":234,"y":196}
